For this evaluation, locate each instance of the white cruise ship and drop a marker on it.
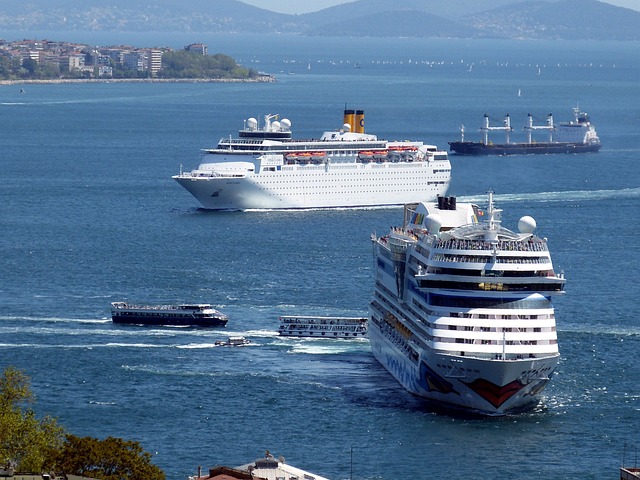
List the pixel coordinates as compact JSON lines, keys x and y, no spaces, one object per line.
{"x":265,"y":168}
{"x":462,"y":309}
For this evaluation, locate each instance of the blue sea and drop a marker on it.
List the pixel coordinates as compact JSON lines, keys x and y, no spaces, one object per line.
{"x":89,"y":215}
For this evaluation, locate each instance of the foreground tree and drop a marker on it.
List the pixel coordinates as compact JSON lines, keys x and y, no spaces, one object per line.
{"x":26,"y":443}
{"x":29,"y":445}
{"x":109,"y":459}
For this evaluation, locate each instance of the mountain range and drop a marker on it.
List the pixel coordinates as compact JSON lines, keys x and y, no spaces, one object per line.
{"x":532,"y":19}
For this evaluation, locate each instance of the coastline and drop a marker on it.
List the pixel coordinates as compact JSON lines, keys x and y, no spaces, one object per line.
{"x":258,"y":79}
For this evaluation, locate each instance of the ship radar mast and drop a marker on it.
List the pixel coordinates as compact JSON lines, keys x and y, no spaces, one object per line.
{"x":495,"y":218}
{"x":267,"y":121}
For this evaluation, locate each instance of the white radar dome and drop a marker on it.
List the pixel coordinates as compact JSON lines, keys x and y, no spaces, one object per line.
{"x":527,"y":224}
{"x":275,"y":126}
{"x":252,"y":123}
{"x":285,"y":123}
{"x":433,"y":222}
{"x":346,"y":127}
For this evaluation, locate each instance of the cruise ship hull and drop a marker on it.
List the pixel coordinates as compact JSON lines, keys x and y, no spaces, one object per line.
{"x":478,"y":148}
{"x":473,"y":385}
{"x":357,"y":185}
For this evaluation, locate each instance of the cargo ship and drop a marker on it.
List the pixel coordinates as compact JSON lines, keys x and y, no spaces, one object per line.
{"x":576,"y":136}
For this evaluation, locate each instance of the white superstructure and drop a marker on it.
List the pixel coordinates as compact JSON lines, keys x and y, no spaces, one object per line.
{"x":322,"y":327}
{"x":579,"y":130}
{"x":461,"y":312}
{"x":265,"y":168}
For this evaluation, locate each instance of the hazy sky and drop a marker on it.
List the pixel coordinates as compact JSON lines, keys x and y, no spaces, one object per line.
{"x":305,"y":6}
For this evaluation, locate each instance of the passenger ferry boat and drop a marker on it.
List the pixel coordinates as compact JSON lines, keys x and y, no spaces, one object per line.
{"x":462,"y":307}
{"x":187,"y":315}
{"x":577,"y":136}
{"x":323,"y":327}
{"x":234,"y":341}
{"x":265,"y":168}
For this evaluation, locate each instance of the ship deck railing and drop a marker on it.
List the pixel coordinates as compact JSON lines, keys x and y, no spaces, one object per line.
{"x":127,"y":306}
{"x":514,"y":246}
{"x":211,"y":174}
{"x":452,"y":258}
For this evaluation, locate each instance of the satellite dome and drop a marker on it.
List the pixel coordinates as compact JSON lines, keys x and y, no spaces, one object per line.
{"x":346,"y":127}
{"x":527,"y":224}
{"x":285,"y":124}
{"x":252,"y":123}
{"x":433,"y":222}
{"x":275,"y":126}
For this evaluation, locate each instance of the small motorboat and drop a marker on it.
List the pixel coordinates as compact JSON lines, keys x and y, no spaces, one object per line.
{"x":236,"y":341}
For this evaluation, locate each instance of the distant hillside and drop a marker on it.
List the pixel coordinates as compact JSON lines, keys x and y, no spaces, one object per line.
{"x":450,"y":9}
{"x":397,"y":23}
{"x":566,"y":19}
{"x":141,"y":16}
{"x":552,"y":19}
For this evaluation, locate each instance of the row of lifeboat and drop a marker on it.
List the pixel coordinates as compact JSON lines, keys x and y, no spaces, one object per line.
{"x":306,"y":157}
{"x":393,"y":154}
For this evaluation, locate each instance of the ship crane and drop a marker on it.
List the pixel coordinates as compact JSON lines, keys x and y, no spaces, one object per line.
{"x":486,"y":128}
{"x":530,"y":127}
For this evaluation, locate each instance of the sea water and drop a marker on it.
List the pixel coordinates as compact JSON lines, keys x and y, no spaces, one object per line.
{"x":89,"y":215}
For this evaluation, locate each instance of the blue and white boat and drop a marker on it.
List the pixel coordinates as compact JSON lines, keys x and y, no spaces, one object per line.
{"x":462,"y":308}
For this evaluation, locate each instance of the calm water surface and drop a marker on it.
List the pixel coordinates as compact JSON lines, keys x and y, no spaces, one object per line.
{"x":90,"y":215}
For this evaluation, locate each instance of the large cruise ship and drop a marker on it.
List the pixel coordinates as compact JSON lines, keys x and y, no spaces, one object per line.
{"x":462,"y":308}
{"x":575,"y":136}
{"x":265,"y":168}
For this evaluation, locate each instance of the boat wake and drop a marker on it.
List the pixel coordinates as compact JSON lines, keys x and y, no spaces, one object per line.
{"x":617,"y":331}
{"x":315,"y":346}
{"x":550,"y":197}
{"x":197,"y":346}
{"x":16,"y":318}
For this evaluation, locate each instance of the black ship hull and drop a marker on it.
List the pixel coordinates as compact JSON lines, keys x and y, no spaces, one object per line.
{"x":167,"y":320}
{"x":478,"y":148}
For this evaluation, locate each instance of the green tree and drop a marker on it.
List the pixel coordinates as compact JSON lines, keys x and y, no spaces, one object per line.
{"x":31,"y":67}
{"x":31,"y":445}
{"x":183,"y":64}
{"x":109,"y":459}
